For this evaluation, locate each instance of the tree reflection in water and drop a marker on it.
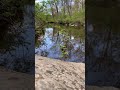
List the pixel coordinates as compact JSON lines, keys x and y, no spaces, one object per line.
{"x":65,"y":43}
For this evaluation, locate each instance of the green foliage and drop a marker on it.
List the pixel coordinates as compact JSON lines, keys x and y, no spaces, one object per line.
{"x":47,"y":11}
{"x":64,"y":51}
{"x":40,"y":15}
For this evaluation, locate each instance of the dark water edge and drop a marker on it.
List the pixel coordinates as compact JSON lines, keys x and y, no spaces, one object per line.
{"x":61,"y":42}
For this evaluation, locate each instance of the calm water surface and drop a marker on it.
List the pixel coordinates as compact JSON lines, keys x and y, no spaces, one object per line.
{"x":59,"y":42}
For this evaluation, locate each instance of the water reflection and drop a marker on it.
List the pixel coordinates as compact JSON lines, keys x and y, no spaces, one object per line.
{"x":59,"y":42}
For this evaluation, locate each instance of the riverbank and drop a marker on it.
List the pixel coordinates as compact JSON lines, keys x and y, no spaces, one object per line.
{"x":52,"y":74}
{"x":65,"y":23}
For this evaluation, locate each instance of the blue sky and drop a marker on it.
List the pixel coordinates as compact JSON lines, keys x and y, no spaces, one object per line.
{"x":39,"y":0}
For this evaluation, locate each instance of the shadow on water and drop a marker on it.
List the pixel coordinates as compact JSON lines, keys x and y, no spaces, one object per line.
{"x":103,"y":44}
{"x":60,"y":42}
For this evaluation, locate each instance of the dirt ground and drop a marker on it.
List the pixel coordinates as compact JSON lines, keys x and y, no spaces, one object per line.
{"x":11,"y":80}
{"x":50,"y":74}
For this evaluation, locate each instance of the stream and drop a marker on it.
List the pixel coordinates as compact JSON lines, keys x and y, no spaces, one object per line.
{"x":60,"y":42}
